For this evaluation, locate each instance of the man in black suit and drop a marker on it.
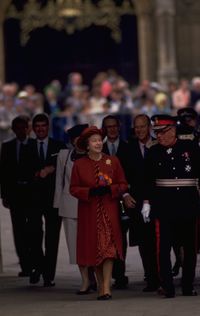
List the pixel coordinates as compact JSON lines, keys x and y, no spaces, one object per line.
{"x":140,"y":233}
{"x":115,"y":146}
{"x":44,"y":151}
{"x":16,"y":176}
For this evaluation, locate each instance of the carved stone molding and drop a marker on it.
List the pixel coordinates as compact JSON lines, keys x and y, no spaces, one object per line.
{"x":4,"y":4}
{"x":187,"y":7}
{"x":144,"y":6}
{"x":164,"y":7}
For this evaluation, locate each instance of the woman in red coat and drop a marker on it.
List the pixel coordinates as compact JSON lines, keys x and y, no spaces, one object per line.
{"x":98,"y":182}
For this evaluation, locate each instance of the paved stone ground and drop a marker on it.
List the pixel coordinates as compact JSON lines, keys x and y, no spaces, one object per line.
{"x":17,"y":298}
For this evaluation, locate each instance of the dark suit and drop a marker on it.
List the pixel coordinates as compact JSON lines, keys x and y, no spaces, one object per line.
{"x":140,"y":233}
{"x":119,"y":267}
{"x":16,"y":178}
{"x":43,"y":194}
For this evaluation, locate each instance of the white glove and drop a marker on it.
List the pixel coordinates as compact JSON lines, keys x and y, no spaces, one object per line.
{"x":145,"y":212}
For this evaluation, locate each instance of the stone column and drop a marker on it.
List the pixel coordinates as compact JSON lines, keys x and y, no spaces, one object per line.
{"x":166,"y":46}
{"x":3,"y":7}
{"x":145,"y":39}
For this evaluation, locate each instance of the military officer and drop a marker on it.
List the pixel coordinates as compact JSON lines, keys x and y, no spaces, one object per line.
{"x":188,"y":124}
{"x":171,"y":197}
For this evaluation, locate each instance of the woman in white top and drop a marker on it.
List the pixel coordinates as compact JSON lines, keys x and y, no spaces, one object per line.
{"x":66,"y":203}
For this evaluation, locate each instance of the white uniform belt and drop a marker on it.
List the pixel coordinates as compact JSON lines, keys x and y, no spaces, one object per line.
{"x":176,"y":182}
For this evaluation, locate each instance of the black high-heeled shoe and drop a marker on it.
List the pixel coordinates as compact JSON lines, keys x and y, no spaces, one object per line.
{"x":87,"y":291}
{"x":104,"y":297}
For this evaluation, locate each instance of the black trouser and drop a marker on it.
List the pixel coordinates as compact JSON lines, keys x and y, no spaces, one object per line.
{"x":21,"y":234}
{"x":143,"y":235}
{"x":45,"y":261}
{"x":119,"y":266}
{"x":147,"y":249}
{"x":183,"y":231}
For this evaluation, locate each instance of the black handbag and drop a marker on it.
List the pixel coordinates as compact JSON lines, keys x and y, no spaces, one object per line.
{"x":123,"y":212}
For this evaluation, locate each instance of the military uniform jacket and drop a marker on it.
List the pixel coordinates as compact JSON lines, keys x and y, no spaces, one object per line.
{"x":177,"y":164}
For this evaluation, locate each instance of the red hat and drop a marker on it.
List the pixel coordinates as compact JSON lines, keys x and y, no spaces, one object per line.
{"x":162,"y":121}
{"x":82,"y":140}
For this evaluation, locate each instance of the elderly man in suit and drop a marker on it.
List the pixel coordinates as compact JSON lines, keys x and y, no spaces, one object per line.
{"x":115,"y":146}
{"x":16,"y":177}
{"x":140,"y":233}
{"x":44,"y":151}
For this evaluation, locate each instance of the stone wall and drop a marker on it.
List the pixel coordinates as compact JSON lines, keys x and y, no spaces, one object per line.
{"x":188,"y":37}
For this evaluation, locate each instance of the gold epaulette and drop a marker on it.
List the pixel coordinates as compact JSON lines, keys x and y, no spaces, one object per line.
{"x":186,"y":137}
{"x":152,"y":143}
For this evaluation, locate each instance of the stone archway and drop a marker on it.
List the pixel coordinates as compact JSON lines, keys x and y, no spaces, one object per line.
{"x":144,"y":11}
{"x":156,"y":41}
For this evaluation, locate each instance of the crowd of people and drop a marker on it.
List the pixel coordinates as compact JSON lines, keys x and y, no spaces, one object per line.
{"x":74,"y":102}
{"x":110,"y":181}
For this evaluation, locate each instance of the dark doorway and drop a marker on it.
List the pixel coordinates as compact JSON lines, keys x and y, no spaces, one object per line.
{"x":50,"y":54}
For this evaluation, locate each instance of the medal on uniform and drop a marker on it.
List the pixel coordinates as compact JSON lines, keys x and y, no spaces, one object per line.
{"x":169,"y":151}
{"x":188,"y":168}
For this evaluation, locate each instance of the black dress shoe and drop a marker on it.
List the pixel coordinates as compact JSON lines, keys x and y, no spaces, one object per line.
{"x":190,"y":293}
{"x":87,"y":291}
{"x":49,"y":283}
{"x":34,"y":276}
{"x":150,"y":288}
{"x":121,"y":284}
{"x":23,"y":274}
{"x":104,"y":297}
{"x":93,"y":287}
{"x":175,"y":269}
{"x":169,"y":294}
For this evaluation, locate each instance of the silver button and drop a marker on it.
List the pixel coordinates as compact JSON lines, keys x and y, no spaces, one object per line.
{"x":176,"y":177}
{"x":172,"y":158}
{"x":174,"y":168}
{"x":177,"y":189}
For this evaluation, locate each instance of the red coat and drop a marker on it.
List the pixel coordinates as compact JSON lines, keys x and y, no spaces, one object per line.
{"x":82,"y":179}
